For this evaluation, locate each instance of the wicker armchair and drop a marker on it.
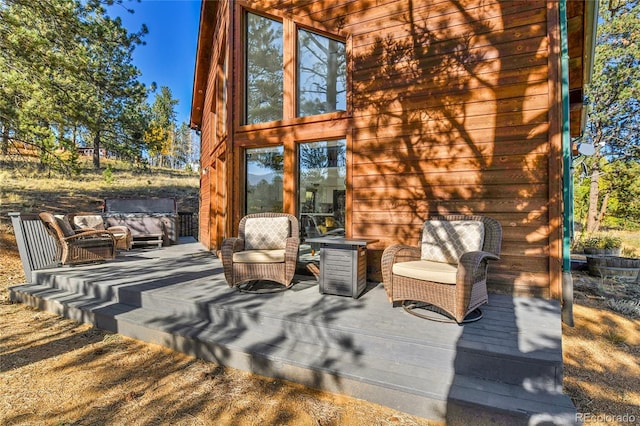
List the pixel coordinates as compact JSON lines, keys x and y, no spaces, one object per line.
{"x":448,"y":272}
{"x":82,"y":222}
{"x":83,"y":247}
{"x":266,"y":249}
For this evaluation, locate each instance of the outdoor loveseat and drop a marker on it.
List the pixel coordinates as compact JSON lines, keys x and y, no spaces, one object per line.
{"x":447,"y":273}
{"x":83,"y":247}
{"x":152,"y":221}
{"x":82,"y":222}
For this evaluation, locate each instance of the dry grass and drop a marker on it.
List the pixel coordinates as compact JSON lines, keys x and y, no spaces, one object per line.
{"x":602,"y":352}
{"x":61,"y":194}
{"x":629,"y":239}
{"x":58,"y":372}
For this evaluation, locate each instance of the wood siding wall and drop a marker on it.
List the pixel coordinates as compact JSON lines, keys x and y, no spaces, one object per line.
{"x":214,"y":141}
{"x":449,"y":106}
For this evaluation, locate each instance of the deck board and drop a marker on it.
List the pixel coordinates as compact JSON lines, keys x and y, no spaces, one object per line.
{"x":177,"y":296}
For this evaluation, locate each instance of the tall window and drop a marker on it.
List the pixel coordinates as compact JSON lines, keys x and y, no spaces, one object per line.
{"x":320,"y":71}
{"x":321,"y":186}
{"x":264,"y":69}
{"x":321,"y":74}
{"x":264,"y":168}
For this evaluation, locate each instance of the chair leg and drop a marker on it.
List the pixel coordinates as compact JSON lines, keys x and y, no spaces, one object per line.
{"x":437,"y":314}
{"x":262,"y":287}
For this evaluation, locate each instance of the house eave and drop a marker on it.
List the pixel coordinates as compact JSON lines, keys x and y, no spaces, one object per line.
{"x":590,"y":28}
{"x":203,"y":60}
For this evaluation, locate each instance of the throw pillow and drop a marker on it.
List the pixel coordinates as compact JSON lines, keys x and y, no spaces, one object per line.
{"x":65,"y":226}
{"x":266,"y":233}
{"x":445,"y":241}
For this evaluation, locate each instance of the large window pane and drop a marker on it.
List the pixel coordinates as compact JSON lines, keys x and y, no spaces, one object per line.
{"x":264,"y":69}
{"x":321,"y":74}
{"x":322,"y":184}
{"x":264,"y":168}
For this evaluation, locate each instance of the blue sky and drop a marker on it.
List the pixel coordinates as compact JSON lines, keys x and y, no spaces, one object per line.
{"x":168,"y":58}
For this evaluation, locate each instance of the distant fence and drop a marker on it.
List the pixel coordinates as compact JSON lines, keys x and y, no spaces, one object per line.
{"x":186,"y":224}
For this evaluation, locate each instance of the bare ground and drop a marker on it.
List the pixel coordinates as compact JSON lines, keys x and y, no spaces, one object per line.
{"x":602,"y":352}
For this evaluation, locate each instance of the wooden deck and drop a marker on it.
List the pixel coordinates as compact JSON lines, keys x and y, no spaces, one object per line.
{"x":503,"y":369}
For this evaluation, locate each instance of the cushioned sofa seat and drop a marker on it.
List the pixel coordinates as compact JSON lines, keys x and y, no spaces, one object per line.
{"x":427,"y":270}
{"x":84,"y":221}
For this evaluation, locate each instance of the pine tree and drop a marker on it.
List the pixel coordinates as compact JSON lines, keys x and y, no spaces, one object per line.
{"x":265,"y":75}
{"x":613,"y":96}
{"x":66,"y":75}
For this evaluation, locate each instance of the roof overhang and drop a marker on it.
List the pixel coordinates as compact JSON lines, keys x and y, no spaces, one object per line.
{"x":582,"y":20}
{"x":208,"y":13}
{"x":590,"y":34}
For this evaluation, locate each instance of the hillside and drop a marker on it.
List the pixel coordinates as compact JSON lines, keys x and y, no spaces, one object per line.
{"x":25,"y":190}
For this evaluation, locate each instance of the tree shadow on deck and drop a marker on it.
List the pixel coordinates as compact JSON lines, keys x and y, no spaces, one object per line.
{"x":458,"y":100}
{"x":517,"y":377}
{"x":198,"y":314}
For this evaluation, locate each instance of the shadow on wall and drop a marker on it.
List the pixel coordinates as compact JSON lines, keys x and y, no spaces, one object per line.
{"x":458,"y":123}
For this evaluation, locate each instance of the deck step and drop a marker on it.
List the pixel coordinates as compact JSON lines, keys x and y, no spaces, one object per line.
{"x":482,"y":354}
{"x":479,"y":355}
{"x":265,"y":351}
{"x":510,"y":404}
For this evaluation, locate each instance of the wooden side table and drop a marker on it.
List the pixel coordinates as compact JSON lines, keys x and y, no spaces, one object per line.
{"x":343,"y":265}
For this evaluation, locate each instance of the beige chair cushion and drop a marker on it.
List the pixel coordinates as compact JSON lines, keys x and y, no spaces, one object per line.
{"x":445,"y":241}
{"x":266,"y":233}
{"x":118,"y":232}
{"x":259,"y":256}
{"x":89,"y":221}
{"x":427,"y":270}
{"x":138,"y":225}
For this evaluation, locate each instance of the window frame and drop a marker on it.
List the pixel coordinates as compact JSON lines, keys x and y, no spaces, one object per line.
{"x":296,"y":71}
{"x":246,"y":152}
{"x":298,"y":186}
{"x":220,"y":98}
{"x":290,"y":58}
